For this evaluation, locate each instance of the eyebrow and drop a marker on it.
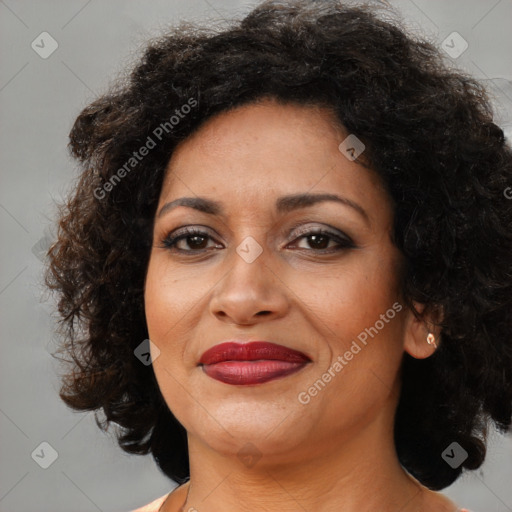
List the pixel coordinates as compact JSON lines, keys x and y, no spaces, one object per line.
{"x":284,"y":204}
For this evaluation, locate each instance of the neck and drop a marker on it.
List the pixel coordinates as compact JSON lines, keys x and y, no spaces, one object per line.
{"x":358,"y":472}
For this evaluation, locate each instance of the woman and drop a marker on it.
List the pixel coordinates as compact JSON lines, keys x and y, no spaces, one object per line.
{"x":304,"y":213}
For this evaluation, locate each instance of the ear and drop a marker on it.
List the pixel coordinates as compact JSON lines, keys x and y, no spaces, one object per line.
{"x":417,"y":328}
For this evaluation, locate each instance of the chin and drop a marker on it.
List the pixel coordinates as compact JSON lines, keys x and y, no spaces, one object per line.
{"x":230,"y":426}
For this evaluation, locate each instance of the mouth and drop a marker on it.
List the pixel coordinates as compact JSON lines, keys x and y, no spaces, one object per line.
{"x":251,"y":363}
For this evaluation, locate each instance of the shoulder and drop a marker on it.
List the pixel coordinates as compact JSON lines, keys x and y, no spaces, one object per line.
{"x":153,"y":506}
{"x":434,"y":500}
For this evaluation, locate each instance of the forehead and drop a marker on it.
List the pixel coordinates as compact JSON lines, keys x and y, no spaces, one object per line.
{"x":258,"y":151}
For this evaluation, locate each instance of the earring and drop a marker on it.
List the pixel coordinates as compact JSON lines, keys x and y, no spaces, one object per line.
{"x":431,"y":339}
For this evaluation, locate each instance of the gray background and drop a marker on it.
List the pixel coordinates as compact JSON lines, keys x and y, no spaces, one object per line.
{"x":39,"y":99}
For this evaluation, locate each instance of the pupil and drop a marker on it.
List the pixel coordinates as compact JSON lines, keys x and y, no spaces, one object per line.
{"x":316,"y":238}
{"x":318,"y":241}
{"x":197,"y":240}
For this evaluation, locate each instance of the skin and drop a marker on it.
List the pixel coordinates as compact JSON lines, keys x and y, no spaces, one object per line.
{"x":337,"y":451}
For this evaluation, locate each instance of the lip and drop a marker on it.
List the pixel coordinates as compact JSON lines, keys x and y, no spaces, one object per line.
{"x":251,"y":363}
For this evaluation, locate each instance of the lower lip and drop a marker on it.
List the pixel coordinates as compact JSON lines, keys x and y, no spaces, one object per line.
{"x":250,"y":372}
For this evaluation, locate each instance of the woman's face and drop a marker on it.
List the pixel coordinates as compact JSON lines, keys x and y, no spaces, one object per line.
{"x":257,"y":271}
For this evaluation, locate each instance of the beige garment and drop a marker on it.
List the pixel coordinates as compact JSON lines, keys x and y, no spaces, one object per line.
{"x":153,"y":506}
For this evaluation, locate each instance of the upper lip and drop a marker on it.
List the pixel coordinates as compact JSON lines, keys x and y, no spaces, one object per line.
{"x":236,"y":351}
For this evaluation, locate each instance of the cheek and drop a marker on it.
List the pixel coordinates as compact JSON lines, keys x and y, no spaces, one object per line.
{"x":357,"y":316}
{"x":166,"y":302}
{"x":346,"y":299}
{"x":355,"y":311}
{"x":167,"y":299}
{"x":174,"y":300}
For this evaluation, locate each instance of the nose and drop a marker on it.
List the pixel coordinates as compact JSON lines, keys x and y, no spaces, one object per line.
{"x":249,"y":293}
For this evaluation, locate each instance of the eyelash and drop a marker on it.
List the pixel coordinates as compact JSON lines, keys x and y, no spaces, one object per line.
{"x":344,"y":243}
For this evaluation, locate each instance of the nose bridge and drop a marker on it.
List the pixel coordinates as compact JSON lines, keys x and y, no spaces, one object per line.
{"x":250,"y":264}
{"x":250,"y":286}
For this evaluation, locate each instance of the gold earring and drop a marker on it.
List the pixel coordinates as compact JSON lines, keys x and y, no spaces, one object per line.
{"x":431,"y":339}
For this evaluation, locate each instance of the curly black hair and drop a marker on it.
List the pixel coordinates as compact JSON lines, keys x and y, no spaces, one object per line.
{"x":429,"y":134}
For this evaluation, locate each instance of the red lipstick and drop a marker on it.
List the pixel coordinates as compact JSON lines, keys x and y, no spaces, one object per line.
{"x":251,"y":363}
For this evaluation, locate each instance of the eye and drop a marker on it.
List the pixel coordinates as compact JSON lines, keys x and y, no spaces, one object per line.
{"x":322,"y":240}
{"x":195,"y":239}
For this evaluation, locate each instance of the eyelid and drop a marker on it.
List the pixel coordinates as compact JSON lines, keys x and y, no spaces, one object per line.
{"x":183,"y":232}
{"x":301,"y":229}
{"x":189,"y":228}
{"x":295,"y":232}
